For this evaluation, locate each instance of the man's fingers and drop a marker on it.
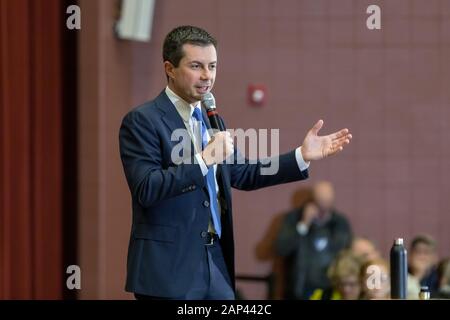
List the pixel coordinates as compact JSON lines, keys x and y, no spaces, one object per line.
{"x":342,"y":141}
{"x":338,"y":145}
{"x":335,"y":150}
{"x":340,"y":134}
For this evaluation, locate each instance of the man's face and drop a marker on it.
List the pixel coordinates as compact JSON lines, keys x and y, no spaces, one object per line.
{"x":422,"y":257}
{"x":195,"y":73}
{"x":323,"y":193}
{"x":365,"y":250}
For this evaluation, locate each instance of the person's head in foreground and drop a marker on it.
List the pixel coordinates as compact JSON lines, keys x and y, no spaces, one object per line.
{"x":344,"y":274}
{"x":375,"y":280}
{"x":422,"y":256}
{"x":364,"y":249}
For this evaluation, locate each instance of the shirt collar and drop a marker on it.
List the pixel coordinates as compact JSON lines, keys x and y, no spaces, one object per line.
{"x":184,"y":109}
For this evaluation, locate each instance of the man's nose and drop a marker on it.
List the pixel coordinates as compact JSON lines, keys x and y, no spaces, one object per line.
{"x":206,"y":74}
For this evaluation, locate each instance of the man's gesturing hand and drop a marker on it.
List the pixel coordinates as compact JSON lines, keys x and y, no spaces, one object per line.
{"x":317,"y":147}
{"x":218,"y":149}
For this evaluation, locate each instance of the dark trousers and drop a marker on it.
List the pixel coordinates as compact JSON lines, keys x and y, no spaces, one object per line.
{"x":210,"y":282}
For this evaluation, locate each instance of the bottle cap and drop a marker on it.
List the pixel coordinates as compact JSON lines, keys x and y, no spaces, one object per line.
{"x":398,"y":241}
{"x":424,"y":293}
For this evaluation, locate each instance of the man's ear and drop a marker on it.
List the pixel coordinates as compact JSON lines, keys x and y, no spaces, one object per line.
{"x":169,"y":68}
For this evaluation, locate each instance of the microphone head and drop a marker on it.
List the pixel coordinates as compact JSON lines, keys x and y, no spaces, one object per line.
{"x":208,"y":101}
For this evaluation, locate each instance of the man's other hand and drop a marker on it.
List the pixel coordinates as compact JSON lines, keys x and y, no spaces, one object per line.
{"x":317,"y":147}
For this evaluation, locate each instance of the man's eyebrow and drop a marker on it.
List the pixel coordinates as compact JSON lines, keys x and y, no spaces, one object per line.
{"x":199,"y":62}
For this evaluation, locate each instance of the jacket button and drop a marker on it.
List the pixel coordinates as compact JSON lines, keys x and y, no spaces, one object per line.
{"x":206,"y":203}
{"x":203,"y":234}
{"x":193,"y":187}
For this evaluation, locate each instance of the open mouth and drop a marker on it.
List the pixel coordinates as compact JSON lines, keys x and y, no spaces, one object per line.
{"x":202,"y":89}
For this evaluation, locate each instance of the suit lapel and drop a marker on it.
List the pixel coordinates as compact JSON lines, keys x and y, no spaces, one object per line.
{"x":170,"y":115}
{"x":173,"y":120}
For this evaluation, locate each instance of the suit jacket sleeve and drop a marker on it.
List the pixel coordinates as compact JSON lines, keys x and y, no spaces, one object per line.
{"x":252,"y":175}
{"x":149,"y":177}
{"x":246,"y":175}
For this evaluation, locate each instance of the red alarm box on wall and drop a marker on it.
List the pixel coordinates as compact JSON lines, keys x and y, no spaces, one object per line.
{"x":257,"y":95}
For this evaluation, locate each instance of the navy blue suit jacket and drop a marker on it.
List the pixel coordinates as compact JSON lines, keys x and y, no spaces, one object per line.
{"x":170,"y":200}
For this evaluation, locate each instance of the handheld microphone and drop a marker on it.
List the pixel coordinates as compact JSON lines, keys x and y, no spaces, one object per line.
{"x":210,"y":105}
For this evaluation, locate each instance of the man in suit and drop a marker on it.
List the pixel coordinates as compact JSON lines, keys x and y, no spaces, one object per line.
{"x":181,"y":244}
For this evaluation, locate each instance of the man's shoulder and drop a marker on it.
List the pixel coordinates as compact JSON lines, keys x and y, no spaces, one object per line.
{"x":149,"y":107}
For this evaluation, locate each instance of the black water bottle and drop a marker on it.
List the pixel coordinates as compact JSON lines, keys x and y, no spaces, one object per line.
{"x":399,"y":270}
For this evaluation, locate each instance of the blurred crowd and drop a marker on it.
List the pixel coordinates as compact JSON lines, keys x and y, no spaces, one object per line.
{"x":323,"y":260}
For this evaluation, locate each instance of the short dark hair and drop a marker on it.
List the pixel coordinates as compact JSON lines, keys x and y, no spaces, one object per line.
{"x":423,"y":239}
{"x":175,"y":39}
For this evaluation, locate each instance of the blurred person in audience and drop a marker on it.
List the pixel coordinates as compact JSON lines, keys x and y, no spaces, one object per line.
{"x":375,"y":280}
{"x":443,"y":271}
{"x":344,"y":273}
{"x":365,"y":249}
{"x":422,"y":269}
{"x":309,"y":239}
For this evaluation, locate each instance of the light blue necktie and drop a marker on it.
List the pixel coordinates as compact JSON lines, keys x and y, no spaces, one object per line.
{"x":210,"y":180}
